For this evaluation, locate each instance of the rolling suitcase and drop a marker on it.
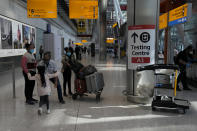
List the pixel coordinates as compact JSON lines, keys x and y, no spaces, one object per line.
{"x":95,"y":82}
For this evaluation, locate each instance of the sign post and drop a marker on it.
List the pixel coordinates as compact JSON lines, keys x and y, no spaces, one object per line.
{"x":141,"y":46}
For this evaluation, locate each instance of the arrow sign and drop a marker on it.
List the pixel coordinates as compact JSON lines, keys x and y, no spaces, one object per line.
{"x":134,"y":35}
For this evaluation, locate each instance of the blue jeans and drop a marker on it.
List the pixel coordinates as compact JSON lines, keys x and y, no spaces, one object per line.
{"x":59,"y":89}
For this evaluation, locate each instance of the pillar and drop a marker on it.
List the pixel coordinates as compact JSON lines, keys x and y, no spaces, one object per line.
{"x":102,"y":28}
{"x":140,"y":12}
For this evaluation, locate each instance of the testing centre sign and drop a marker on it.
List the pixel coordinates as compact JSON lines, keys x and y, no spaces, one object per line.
{"x":141,"y":45}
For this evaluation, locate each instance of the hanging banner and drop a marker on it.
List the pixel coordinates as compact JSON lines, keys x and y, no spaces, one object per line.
{"x":141,"y":46}
{"x":42,"y":8}
{"x":83,"y":9}
{"x":163,"y":21}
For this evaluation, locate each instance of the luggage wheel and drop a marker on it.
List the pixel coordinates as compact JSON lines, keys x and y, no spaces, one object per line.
{"x":98,"y":97}
{"x":182,"y":110}
{"x":153,"y":108}
{"x":74,"y":96}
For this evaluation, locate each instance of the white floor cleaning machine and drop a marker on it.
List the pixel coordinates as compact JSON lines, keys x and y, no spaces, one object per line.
{"x":164,"y":101}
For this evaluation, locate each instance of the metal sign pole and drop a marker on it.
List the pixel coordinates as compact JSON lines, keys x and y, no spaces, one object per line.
{"x":13,"y":80}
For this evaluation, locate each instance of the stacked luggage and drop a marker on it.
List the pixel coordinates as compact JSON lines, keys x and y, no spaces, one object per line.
{"x":95,"y":84}
{"x":88,"y":80}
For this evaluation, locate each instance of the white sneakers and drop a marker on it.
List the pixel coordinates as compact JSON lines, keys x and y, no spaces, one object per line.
{"x":40,"y":111}
{"x":48,"y":111}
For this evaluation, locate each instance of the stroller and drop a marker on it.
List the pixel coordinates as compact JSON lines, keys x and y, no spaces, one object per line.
{"x":87,"y":80}
{"x":164,"y":101}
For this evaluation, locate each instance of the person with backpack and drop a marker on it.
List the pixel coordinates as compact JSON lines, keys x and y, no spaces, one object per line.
{"x":43,"y":86}
{"x":183,"y":60}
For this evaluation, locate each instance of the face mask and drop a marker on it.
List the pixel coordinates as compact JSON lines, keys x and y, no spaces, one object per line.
{"x":31,"y":51}
{"x":68,"y":53}
{"x":191,"y":52}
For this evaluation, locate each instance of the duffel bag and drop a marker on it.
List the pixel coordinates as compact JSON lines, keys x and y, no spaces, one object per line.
{"x":76,"y":66}
{"x":88,"y":70}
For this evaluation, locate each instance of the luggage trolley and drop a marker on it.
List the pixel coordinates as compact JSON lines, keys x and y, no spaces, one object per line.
{"x":93,"y":83}
{"x":163,"y":101}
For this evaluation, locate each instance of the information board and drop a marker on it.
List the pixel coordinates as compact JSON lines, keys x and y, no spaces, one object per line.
{"x":83,"y":9}
{"x":178,"y":15}
{"x":163,"y":21}
{"x":141,"y":45}
{"x":42,"y":8}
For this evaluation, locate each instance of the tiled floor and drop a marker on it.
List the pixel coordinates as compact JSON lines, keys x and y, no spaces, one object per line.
{"x":112,"y":113}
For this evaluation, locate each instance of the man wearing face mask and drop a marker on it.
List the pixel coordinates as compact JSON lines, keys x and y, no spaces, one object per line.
{"x":28,"y":64}
{"x":51,"y":68}
{"x":66,"y":70}
{"x":184,"y":59}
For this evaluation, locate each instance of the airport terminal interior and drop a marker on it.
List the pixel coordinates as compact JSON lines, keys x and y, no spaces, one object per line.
{"x":98,"y":65}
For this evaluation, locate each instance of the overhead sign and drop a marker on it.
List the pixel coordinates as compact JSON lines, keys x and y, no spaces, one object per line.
{"x":83,"y":9}
{"x":163,"y":21}
{"x":178,"y":15}
{"x":41,"y":9}
{"x":141,"y":45}
{"x":84,"y":41}
{"x":81,"y":25}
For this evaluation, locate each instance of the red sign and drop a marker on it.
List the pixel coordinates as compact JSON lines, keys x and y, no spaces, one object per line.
{"x":140,"y":59}
{"x":123,"y":7}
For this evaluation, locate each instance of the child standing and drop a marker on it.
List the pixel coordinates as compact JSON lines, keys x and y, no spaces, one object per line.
{"x":43,"y":86}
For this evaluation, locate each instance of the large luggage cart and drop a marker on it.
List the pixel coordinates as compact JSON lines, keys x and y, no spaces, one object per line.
{"x":164,"y":101}
{"x":93,"y":83}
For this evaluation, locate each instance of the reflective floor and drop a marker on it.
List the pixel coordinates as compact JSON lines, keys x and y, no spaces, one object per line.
{"x":112,"y":113}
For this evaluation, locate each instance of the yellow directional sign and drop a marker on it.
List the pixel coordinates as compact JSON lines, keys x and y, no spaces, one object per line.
{"x":163,"y":21}
{"x":42,"y":8}
{"x":80,"y":44}
{"x":110,"y":40}
{"x":84,"y":41}
{"x":178,"y":13}
{"x":114,"y":25}
{"x":83,"y":9}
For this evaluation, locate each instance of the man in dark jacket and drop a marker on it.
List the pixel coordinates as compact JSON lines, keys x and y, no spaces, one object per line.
{"x":183,"y":59}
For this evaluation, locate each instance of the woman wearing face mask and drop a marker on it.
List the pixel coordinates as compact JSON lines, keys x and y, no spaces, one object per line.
{"x":28,"y":64}
{"x":66,"y":70}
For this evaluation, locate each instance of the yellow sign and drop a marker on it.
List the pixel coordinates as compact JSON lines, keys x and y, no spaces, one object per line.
{"x":110,"y":40}
{"x":83,"y":9}
{"x":81,"y":25}
{"x":114,"y":25}
{"x":84,"y":41}
{"x":80,"y":44}
{"x":163,"y":21}
{"x":42,"y":8}
{"x":178,"y":13}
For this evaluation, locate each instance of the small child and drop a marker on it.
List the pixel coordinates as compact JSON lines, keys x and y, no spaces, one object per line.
{"x":43,"y":86}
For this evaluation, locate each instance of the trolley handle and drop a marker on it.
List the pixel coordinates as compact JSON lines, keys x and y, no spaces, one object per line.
{"x":158,"y":66}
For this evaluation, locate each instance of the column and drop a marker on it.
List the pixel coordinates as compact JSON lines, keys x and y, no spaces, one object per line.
{"x":140,"y":12}
{"x":102,"y":28}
